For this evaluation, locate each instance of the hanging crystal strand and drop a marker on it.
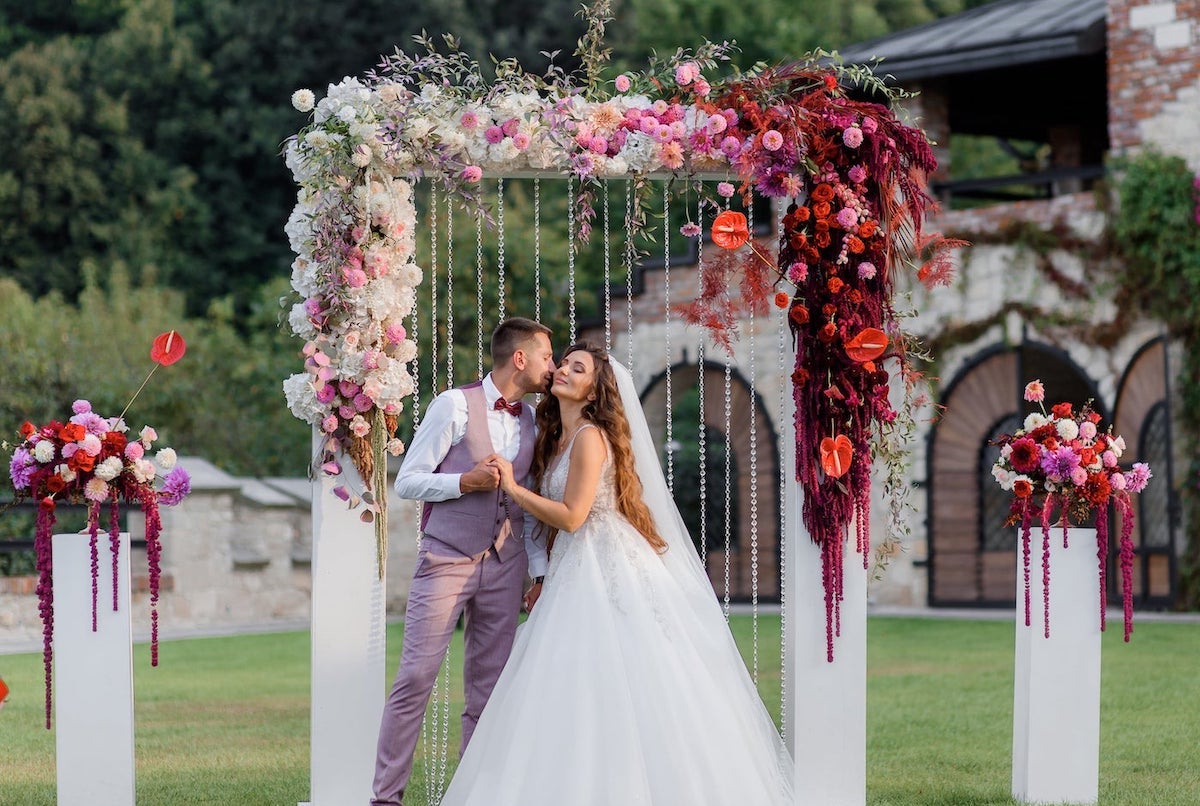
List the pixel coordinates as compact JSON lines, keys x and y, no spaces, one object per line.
{"x":433,"y":289}
{"x":753,"y":332}
{"x":607,"y":270}
{"x":449,"y":292}
{"x":702,"y":437}
{"x":781,"y":350}
{"x":537,"y":249}
{"x":571,"y":255}
{"x":670,"y":436}
{"x":702,"y":444}
{"x":500,"y":249}
{"x":728,"y":469}
{"x":630,"y":254}
{"x":479,"y":290}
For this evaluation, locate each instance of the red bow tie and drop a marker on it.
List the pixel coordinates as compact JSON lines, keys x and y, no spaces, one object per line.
{"x":512,"y":408}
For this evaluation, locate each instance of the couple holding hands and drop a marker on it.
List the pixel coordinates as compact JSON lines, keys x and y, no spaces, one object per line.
{"x":624,"y":686}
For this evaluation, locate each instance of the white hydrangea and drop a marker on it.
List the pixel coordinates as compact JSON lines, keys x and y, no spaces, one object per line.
{"x":302,"y":399}
{"x":640,"y":152}
{"x":300,"y":323}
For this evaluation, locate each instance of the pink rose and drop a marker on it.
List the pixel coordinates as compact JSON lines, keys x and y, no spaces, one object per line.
{"x":472,"y":173}
{"x":346,"y":412}
{"x":363,"y":403}
{"x":134,"y":451}
{"x":520,"y":141}
{"x":509,"y":127}
{"x":395,"y":333}
{"x":598,"y":144}
{"x":1078,"y":476}
{"x":326,"y":393}
{"x":329,"y":424}
{"x":348,"y":389}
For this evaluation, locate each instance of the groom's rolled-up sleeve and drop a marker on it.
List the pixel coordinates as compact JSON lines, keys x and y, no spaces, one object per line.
{"x":445,"y":424}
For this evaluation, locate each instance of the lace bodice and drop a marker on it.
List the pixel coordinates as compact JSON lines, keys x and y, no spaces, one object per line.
{"x":555,"y":485}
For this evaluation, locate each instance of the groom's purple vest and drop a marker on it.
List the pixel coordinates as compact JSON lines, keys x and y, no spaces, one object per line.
{"x":475,"y":521}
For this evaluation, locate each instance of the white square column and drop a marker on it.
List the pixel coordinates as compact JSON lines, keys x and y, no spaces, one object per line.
{"x":93,"y":674}
{"x":1056,"y":697}
{"x":348,"y":645}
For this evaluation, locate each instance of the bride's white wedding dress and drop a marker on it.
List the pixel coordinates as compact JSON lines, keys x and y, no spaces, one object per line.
{"x":624,"y":687}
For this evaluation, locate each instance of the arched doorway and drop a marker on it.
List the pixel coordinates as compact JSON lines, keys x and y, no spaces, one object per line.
{"x":972,"y":558}
{"x":1143,"y":418}
{"x":753,"y":559}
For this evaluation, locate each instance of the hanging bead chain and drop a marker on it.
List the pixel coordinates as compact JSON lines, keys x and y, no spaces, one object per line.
{"x":753,"y":332}
{"x":537,"y":249}
{"x":781,"y":350}
{"x":433,"y":281}
{"x":479,"y":289}
{"x":630,"y":254}
{"x":728,"y":469}
{"x":702,"y":443}
{"x":702,"y":440}
{"x":667,"y":339}
{"x":500,"y":249}
{"x":445,"y":722}
{"x":449,"y":292}
{"x":607,"y":270}
{"x":571,"y":255}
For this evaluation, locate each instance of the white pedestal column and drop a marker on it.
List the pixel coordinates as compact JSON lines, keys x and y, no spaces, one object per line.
{"x":1056,"y":699}
{"x":93,"y":674}
{"x":348,"y":646}
{"x":826,"y":702}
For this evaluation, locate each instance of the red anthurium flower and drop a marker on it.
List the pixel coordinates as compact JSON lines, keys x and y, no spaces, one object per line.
{"x":836,"y":455}
{"x":868,"y":345}
{"x":168,"y":348}
{"x":730,"y":230}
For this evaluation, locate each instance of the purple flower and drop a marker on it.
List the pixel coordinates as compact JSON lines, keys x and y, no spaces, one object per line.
{"x":1136,"y":478}
{"x":81,"y":406}
{"x":1059,"y":463}
{"x":21,"y":468}
{"x":176,"y":485}
{"x":690,"y":230}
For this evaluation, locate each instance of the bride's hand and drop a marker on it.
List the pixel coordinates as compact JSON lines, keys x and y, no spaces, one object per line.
{"x":504,"y":467}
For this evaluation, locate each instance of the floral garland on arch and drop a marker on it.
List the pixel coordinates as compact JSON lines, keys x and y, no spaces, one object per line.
{"x":1062,"y":465}
{"x":787,"y":132}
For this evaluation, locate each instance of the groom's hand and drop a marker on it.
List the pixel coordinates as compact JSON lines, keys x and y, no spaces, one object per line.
{"x":484,"y":476}
{"x":531,"y":596}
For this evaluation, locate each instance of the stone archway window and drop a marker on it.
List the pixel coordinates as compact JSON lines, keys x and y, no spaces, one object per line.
{"x":995,"y":502}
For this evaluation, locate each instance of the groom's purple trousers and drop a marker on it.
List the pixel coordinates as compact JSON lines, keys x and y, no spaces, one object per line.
{"x":445,"y":585}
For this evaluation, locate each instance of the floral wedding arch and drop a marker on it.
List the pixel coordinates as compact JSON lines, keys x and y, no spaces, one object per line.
{"x":821,"y":137}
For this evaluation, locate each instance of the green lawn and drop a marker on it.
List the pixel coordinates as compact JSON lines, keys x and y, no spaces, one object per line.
{"x":225,"y":720}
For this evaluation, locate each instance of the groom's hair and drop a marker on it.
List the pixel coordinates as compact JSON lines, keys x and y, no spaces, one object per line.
{"x":511,"y":334}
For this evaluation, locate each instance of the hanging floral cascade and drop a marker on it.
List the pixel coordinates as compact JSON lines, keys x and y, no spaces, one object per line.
{"x":1061,"y":465}
{"x":92,"y":459}
{"x":790,"y":132}
{"x":854,"y":177}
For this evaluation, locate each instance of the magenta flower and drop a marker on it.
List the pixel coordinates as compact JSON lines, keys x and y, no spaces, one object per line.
{"x":866,"y":270}
{"x":725,"y":189}
{"x":798,"y":272}
{"x":852,"y":137}
{"x":1058,"y":464}
{"x":493,"y":134}
{"x":176,"y":485}
{"x":730,"y":146}
{"x":326,"y":393}
{"x":856,"y":174}
{"x":81,"y":406}
{"x":847,"y":218}
{"x":472,"y":173}
{"x":1137,"y":477}
{"x":509,"y":127}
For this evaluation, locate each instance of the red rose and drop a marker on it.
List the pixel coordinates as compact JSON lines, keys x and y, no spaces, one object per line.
{"x":821,"y":209}
{"x":800,"y":376}
{"x":855,"y":244}
{"x":1022,"y":488}
{"x":82,"y":462}
{"x":114,"y":443}
{"x":829,"y":309}
{"x":55,"y":483}
{"x":1061,"y":410}
{"x":28,"y":429}
{"x":72,"y":432}
{"x":828,"y":333}
{"x":822,"y":239}
{"x":798,"y":314}
{"x":782,"y":299}
{"x":822,"y":192}
{"x":866,"y":229}
{"x":47,"y":504}
{"x":835,"y":285}
{"x":855,"y":296}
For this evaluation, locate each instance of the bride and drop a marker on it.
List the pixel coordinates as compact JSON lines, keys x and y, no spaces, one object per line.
{"x":624,"y":686}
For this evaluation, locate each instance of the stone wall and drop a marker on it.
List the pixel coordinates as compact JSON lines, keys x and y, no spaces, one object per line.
{"x":237,"y":552}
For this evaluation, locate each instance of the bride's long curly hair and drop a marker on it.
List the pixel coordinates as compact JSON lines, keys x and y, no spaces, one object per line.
{"x":607,"y":413}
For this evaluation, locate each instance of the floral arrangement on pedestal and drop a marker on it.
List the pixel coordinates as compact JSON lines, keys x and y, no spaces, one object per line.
{"x":94,"y":460}
{"x":790,"y":132}
{"x":1061,"y":464}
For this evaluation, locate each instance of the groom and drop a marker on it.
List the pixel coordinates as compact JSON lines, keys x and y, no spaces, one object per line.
{"x":475,"y":551}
